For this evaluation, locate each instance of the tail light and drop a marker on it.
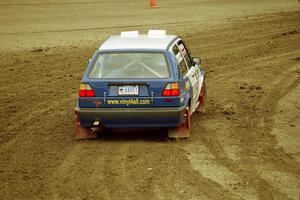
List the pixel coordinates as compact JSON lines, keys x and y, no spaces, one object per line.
{"x":172,"y":89}
{"x":85,"y":90}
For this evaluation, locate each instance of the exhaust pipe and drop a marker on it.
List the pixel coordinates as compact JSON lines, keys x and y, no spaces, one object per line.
{"x":96,"y":126}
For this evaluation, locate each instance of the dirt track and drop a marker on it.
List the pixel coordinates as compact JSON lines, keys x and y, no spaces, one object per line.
{"x":247,"y":145}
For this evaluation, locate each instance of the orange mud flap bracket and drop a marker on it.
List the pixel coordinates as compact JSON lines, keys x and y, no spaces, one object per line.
{"x":83,"y":132}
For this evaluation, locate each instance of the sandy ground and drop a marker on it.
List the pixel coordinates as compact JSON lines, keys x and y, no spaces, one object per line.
{"x":245,"y":147}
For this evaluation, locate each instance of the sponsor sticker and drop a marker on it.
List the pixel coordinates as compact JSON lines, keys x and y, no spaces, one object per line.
{"x":129,"y":102}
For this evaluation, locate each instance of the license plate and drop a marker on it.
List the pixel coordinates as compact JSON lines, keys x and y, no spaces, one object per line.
{"x":129,"y":90}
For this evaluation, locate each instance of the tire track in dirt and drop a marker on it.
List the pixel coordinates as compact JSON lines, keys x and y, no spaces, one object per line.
{"x":231,"y":154}
{"x":41,"y":91}
{"x":171,"y":176}
{"x":285,"y":177}
{"x":76,"y":168}
{"x":36,"y":138}
{"x":27,"y":159}
{"x":188,"y":23}
{"x":213,"y":161}
{"x":31,"y":116}
{"x":213,"y":147}
{"x":53,"y":3}
{"x":286,"y":123}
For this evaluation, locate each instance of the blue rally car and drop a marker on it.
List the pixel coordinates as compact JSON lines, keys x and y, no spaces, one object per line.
{"x":140,"y":81}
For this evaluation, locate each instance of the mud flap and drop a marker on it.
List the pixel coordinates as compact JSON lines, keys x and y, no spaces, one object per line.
{"x":82,"y":132}
{"x":201,"y":99}
{"x":183,"y":131}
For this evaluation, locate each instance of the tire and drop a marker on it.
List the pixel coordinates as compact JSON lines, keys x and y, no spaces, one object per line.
{"x":183,"y":131}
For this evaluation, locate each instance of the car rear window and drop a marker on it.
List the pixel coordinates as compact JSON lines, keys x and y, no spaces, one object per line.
{"x":127,"y":65}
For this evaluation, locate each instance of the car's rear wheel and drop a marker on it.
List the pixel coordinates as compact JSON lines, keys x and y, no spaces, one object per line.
{"x":183,"y":131}
{"x":201,"y":99}
{"x":83,"y":132}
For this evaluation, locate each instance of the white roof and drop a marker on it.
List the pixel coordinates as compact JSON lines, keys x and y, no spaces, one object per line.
{"x":157,"y":40}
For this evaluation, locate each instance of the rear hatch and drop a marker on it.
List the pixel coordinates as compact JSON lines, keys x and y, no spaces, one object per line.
{"x":129,"y":79}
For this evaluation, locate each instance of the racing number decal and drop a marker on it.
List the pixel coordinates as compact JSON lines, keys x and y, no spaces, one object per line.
{"x":194,"y":82}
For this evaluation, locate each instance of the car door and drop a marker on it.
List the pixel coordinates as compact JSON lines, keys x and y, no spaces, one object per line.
{"x":193,"y":73}
{"x":188,"y":71}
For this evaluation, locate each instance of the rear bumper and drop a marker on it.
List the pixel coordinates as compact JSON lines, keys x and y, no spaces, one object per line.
{"x":131,"y":117}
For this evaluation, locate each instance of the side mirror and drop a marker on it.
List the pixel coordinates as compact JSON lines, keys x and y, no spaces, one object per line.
{"x":196,"y":61}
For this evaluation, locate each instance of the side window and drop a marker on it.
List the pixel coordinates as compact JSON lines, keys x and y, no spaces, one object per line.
{"x":185,"y":53}
{"x":180,"y":61}
{"x":182,"y":68}
{"x":175,"y":50}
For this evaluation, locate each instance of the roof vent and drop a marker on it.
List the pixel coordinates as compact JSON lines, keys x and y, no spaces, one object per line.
{"x":157,"y":33}
{"x":130,"y":34}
